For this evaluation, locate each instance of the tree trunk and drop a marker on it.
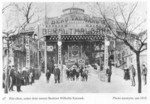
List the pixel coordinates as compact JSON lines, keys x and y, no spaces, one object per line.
{"x":139,"y":73}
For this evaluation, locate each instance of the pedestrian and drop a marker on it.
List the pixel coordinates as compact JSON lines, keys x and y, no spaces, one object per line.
{"x":77,"y":73}
{"x":81,"y":70}
{"x":18,"y":80}
{"x":25,"y":75}
{"x":108,"y":74}
{"x":132,"y":75}
{"x":126,"y":73}
{"x":47,"y":76}
{"x":30,"y":78}
{"x":13,"y":78}
{"x":85,"y":74}
{"x":144,"y":73}
{"x":8,"y":78}
{"x":33,"y":74}
{"x":4,"y":78}
{"x":67,"y":74}
{"x":57,"y":74}
{"x":74,"y":72}
{"x":71,"y":73}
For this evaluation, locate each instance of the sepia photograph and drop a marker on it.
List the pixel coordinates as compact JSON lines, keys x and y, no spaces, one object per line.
{"x":74,"y":47}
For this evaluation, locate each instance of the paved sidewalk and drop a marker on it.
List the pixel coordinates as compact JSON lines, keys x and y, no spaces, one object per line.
{"x":93,"y":85}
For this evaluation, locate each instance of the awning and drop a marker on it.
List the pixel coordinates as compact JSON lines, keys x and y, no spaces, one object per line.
{"x":76,"y":38}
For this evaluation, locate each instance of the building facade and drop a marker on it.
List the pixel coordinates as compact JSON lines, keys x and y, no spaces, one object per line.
{"x":82,"y":36}
{"x":24,"y":49}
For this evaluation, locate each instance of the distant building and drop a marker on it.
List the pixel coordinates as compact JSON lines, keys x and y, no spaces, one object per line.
{"x":125,"y":56}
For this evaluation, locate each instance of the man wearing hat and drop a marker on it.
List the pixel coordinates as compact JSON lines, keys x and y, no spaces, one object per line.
{"x":57,"y":74}
{"x":19,"y":79}
{"x":108,"y":73}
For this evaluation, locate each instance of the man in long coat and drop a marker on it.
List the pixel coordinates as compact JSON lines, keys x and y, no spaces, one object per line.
{"x":108,"y":73}
{"x":57,"y":74}
{"x":48,"y":74}
{"x":18,"y":80}
{"x":132,"y":75}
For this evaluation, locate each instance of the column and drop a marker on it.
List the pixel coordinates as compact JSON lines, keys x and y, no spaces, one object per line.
{"x":68,"y":51}
{"x":59,"y":43}
{"x":38,"y":56}
{"x":99,"y":61}
{"x":45,"y":53}
{"x":103,"y":73}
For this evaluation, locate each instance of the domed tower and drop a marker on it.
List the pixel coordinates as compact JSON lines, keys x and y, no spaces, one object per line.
{"x":73,"y":11}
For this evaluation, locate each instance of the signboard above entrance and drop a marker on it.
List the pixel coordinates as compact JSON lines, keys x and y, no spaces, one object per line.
{"x":73,"y":31}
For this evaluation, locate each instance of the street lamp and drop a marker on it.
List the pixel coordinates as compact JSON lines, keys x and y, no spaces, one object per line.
{"x":59,"y":43}
{"x":107,"y":43}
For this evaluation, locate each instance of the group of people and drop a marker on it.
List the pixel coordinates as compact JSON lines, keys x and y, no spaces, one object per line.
{"x":56,"y":73}
{"x":73,"y":73}
{"x":18,"y":77}
{"x":130,"y":73}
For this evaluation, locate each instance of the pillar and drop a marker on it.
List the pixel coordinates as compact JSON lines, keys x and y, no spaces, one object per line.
{"x":38,"y":56}
{"x":45,"y":53}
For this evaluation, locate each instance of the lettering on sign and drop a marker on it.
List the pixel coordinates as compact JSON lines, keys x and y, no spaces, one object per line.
{"x":74,"y":31}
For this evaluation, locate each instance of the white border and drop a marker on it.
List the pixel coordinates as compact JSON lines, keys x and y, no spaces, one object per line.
{"x":90,"y":98}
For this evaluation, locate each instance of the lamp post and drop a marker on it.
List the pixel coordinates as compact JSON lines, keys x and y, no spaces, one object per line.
{"x":59,"y":43}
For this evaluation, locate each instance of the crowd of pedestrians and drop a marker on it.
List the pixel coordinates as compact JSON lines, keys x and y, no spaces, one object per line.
{"x":18,"y":77}
{"x":130,"y":74}
{"x":55,"y":71}
{"x":74,"y":72}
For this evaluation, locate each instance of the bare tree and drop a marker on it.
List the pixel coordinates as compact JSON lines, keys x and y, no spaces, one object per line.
{"x":26,"y":9}
{"x":125,"y":33}
{"x":16,"y":28}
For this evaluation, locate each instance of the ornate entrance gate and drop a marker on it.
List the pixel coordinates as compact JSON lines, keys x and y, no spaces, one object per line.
{"x":83,"y":49}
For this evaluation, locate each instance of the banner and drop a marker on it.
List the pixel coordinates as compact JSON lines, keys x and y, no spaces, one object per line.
{"x":27,"y":52}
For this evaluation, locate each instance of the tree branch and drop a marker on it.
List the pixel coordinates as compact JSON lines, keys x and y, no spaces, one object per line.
{"x":103,"y":15}
{"x":138,"y":25}
{"x":129,"y":45}
{"x":3,"y":9}
{"x":143,"y":49}
{"x":144,"y":40}
{"x":131,"y":12}
{"x":122,"y":14}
